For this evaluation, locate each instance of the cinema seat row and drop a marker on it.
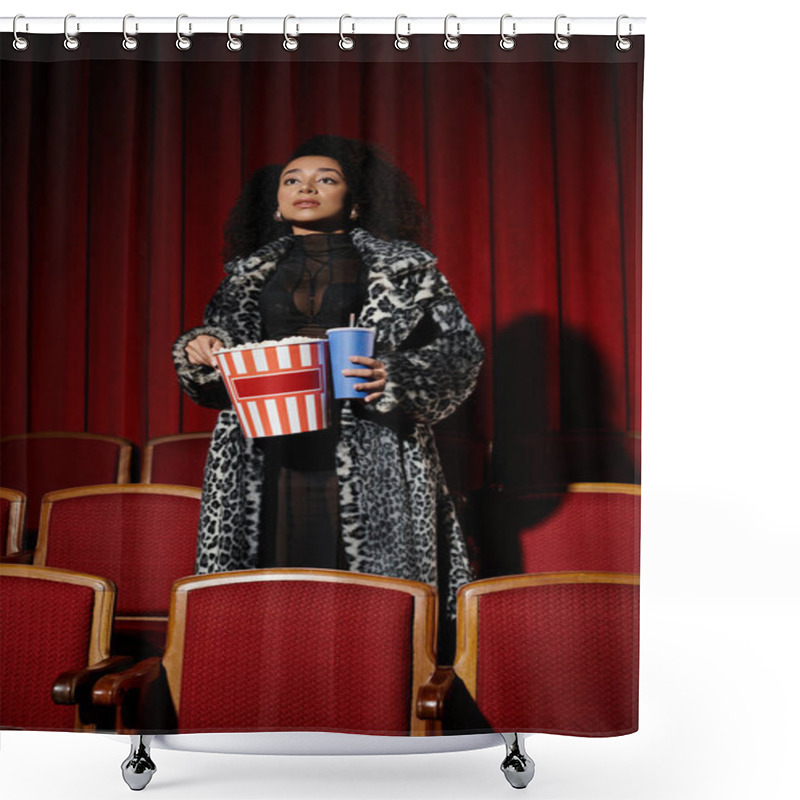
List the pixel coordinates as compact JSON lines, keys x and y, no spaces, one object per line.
{"x":38,"y":463}
{"x":324,"y":650}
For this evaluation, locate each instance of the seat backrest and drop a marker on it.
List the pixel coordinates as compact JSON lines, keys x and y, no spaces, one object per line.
{"x":295,"y":649}
{"x":552,"y":653}
{"x":141,"y":537}
{"x":594,"y":527}
{"x":37,"y":463}
{"x":177,"y":459}
{"x":51,"y":621}
{"x":12,"y":519}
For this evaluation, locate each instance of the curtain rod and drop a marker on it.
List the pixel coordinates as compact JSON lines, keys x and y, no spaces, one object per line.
{"x":346,"y":25}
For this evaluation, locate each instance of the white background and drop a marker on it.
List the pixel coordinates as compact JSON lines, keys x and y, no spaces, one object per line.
{"x":719,"y":679}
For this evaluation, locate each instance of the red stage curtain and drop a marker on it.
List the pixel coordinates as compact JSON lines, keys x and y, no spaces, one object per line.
{"x":118,"y":171}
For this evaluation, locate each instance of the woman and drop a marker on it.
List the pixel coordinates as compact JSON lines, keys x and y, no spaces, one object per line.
{"x":326,"y":237}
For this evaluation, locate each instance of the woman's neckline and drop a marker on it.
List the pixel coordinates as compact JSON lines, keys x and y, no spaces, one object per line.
{"x":316,"y":243}
{"x":323,"y":235}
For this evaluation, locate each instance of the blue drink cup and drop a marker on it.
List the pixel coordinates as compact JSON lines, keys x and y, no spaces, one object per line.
{"x":343,"y":343}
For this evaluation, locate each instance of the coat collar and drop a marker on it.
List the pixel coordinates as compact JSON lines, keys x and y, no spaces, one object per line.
{"x":390,"y":257}
{"x":392,"y":306}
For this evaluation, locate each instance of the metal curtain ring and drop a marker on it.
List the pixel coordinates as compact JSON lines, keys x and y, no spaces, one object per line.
{"x":182,"y":42}
{"x":346,"y":42}
{"x":623,"y":44}
{"x":507,"y":42}
{"x":71,"y":42}
{"x":129,"y":42}
{"x":234,"y":42}
{"x":20,"y":42}
{"x":451,"y":42}
{"x":401,"y":42}
{"x":289,"y":42}
{"x":561,"y":42}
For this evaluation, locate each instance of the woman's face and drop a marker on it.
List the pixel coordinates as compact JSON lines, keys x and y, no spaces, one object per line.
{"x":312,"y":195}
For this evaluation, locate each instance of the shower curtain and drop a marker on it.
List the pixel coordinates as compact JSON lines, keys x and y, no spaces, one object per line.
{"x":120,"y":169}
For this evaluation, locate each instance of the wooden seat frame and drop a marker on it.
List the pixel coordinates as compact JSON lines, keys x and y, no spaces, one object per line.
{"x":16,"y":519}
{"x":605,"y":488}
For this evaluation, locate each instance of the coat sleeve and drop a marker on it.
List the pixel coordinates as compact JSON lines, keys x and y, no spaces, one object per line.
{"x":437,"y":369}
{"x":204,"y":384}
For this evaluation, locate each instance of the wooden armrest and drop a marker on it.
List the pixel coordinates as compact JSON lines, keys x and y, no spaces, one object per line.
{"x":110,"y":690}
{"x":433,"y":693}
{"x":76,"y":686}
{"x":21,"y":557}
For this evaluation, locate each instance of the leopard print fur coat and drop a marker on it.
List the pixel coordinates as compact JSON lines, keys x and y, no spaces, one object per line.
{"x":396,"y":515}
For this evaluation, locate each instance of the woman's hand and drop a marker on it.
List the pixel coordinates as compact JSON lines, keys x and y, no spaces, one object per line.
{"x":201,"y":350}
{"x":375,"y":372}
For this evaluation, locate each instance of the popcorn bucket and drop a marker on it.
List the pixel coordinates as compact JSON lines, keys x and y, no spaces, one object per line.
{"x":278,"y":388}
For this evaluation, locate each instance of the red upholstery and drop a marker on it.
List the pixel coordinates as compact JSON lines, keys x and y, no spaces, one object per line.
{"x":178,"y":460}
{"x":38,"y":464}
{"x":141,"y":541}
{"x":588,"y":531}
{"x":559,"y":659}
{"x":46,"y":628}
{"x":297,"y":655}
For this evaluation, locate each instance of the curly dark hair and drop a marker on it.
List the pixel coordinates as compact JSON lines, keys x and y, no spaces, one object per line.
{"x":386,"y":199}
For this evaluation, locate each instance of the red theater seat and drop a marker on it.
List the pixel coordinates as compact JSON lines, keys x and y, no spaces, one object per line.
{"x":37,"y":463}
{"x":594,"y":527}
{"x":177,"y":459}
{"x":142,"y":537}
{"x":551,"y":653}
{"x":51,"y":621}
{"x":288,"y":650}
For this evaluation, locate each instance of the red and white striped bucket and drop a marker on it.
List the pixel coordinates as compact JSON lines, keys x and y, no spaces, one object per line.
{"x":278,"y":388}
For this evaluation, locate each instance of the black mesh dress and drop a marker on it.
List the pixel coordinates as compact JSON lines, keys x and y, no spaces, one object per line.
{"x":318,"y":284}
